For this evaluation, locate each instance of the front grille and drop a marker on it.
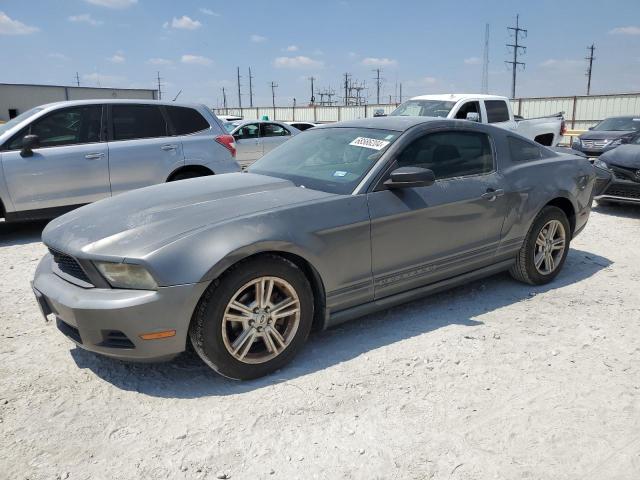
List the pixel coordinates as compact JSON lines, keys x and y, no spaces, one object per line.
{"x":594,"y":144}
{"x":116,"y":339}
{"x":69,"y":265}
{"x":626,"y":191}
{"x":625,"y":173}
{"x":69,"y":331}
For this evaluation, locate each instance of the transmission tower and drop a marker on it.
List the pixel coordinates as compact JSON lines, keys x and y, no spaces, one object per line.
{"x":347,"y":77}
{"x":274,"y":85}
{"x":378,"y":81}
{"x":518,"y":34}
{"x":77,"y":79}
{"x":590,"y":59}
{"x":485,"y":62}
{"x":159,"y":87}
{"x":313,"y":98}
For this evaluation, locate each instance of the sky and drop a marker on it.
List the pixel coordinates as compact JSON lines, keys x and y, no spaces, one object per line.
{"x":428,"y":46}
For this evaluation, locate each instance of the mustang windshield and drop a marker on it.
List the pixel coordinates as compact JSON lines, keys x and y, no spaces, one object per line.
{"x":621,"y":124}
{"x":423,"y":108}
{"x":332,"y":160}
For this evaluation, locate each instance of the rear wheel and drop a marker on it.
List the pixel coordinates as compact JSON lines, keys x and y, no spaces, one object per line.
{"x":545,"y":248}
{"x":254,"y":319}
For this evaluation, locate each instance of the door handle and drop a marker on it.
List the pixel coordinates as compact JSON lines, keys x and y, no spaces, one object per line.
{"x":491,"y":194}
{"x":93,"y":156}
{"x":168,"y":147}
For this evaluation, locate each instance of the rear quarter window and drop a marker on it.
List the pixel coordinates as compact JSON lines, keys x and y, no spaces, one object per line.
{"x":523,"y":151}
{"x":186,"y":120}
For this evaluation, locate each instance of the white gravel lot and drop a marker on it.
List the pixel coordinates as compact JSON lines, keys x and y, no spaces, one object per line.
{"x":494,"y":380}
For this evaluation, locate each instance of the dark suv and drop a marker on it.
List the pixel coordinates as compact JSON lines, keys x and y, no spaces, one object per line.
{"x":608,"y":134}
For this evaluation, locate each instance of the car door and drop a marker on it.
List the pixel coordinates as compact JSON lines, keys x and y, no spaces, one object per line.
{"x":141,"y":150}
{"x":273,"y":135}
{"x":425,"y":234}
{"x":70,"y":166}
{"x":248,"y":144}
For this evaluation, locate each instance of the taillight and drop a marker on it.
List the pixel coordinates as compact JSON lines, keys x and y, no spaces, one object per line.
{"x":563,"y":128}
{"x":228,"y":142}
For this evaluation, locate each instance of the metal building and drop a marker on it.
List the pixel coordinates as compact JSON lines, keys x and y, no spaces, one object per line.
{"x":18,"y":98}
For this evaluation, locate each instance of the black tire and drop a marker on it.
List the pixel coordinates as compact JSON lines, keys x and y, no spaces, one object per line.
{"x":186,"y":175}
{"x":205,"y":331}
{"x":524,"y":268}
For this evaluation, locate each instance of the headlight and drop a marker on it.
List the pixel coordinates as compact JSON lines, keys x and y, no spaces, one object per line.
{"x":600,"y":164}
{"x":615,"y":143}
{"x":125,"y":275}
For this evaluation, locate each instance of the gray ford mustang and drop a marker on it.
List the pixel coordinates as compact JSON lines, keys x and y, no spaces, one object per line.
{"x":338,"y":222}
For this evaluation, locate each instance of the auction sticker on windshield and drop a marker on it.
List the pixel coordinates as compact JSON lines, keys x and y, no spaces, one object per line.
{"x":371,"y":143}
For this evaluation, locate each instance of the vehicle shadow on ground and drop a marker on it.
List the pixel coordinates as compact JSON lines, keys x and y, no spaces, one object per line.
{"x":20,"y":233}
{"x":623,"y":210}
{"x":188,"y":377}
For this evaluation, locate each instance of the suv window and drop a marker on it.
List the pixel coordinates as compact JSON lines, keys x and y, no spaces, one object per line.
{"x":274,"y":130}
{"x":69,"y":126}
{"x":450,"y":154}
{"x":138,"y":121}
{"x":469,"y":107}
{"x":252,"y":130}
{"x":186,"y":120}
{"x":497,"y":111}
{"x":523,"y":151}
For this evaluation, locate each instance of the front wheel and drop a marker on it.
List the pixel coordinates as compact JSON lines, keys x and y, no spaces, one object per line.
{"x":254,"y":318}
{"x":545,"y":248}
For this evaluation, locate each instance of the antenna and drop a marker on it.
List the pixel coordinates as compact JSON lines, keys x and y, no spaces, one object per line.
{"x":485,"y":62}
{"x":176,"y":97}
{"x":516,"y":46}
{"x":159,"y":87}
{"x":77,"y":79}
{"x":239,"y":94}
{"x":250,"y":88}
{"x":273,"y":93}
{"x":590,"y":58}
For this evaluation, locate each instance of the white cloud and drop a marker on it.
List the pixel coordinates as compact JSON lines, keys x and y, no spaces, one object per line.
{"x":159,"y":61}
{"x":58,"y":56}
{"x":566,"y":63}
{"x":85,"y":18}
{"x":196,"y":60}
{"x":183,"y":23}
{"x":113,"y":3}
{"x":292,"y":48}
{"x":379,"y":62}
{"x":103,"y":80}
{"x":630,"y":30}
{"x":209,"y":12}
{"x":297,"y":62}
{"x":8,"y":26}
{"x":117,"y":58}
{"x":258,"y":38}
{"x":472,"y":61}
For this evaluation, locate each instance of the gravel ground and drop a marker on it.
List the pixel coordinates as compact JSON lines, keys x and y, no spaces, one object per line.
{"x":491,"y":380}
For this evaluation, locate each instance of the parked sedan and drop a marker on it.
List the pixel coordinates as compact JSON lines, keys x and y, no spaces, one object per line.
{"x":623,"y":165}
{"x":62,"y":155}
{"x":337,"y":223}
{"x":254,"y":138}
{"x":608,"y":134}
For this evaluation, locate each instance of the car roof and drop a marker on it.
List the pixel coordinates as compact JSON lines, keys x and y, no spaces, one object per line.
{"x":94,"y":101}
{"x":454,"y":97}
{"x":397,"y":123}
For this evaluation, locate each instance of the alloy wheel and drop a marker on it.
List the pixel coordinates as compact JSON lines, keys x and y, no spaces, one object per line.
{"x":549,"y":248}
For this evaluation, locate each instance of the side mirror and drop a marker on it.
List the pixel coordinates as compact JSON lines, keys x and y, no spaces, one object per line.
{"x":29,"y":142}
{"x":590,"y":128}
{"x":473,"y":117}
{"x":406,"y":177}
{"x":379,"y":113}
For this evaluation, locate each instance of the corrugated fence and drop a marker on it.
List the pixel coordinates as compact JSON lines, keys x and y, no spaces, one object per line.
{"x":580,"y":112}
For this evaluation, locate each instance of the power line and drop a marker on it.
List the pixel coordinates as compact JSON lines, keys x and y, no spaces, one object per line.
{"x":239,"y":94}
{"x":590,"y":58}
{"x":516,"y":46}
{"x":485,"y":62}
{"x":250,"y":88}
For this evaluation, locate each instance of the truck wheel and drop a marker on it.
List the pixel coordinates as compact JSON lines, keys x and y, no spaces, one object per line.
{"x":545,"y":248}
{"x":254,"y":318}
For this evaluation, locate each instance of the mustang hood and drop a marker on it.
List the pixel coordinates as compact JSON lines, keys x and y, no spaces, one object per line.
{"x":625,"y":156}
{"x":136,"y":223}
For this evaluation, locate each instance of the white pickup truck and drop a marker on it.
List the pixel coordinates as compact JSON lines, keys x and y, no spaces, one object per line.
{"x":491,"y":109}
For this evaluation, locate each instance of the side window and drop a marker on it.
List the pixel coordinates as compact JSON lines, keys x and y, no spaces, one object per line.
{"x":186,"y":120}
{"x":70,"y":126}
{"x":450,"y":154}
{"x":252,"y":130}
{"x":137,"y":121}
{"x":469,"y":107}
{"x":273,"y":130}
{"x":523,"y":151}
{"x":497,"y":111}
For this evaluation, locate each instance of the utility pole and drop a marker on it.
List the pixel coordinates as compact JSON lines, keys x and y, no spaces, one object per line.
{"x":346,"y":88}
{"x":400,"y":92}
{"x":273,"y":93}
{"x":77,"y":79}
{"x":313,"y":98}
{"x":516,"y":46}
{"x":485,"y":62}
{"x":224,"y":98}
{"x":590,"y":58}
{"x":377,"y":79}
{"x":159,"y":87}
{"x":250,"y":89}
{"x":239,"y":95}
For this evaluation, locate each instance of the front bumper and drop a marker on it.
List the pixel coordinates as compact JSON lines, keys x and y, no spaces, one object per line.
{"x":622,"y":191}
{"x":110,"y":321}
